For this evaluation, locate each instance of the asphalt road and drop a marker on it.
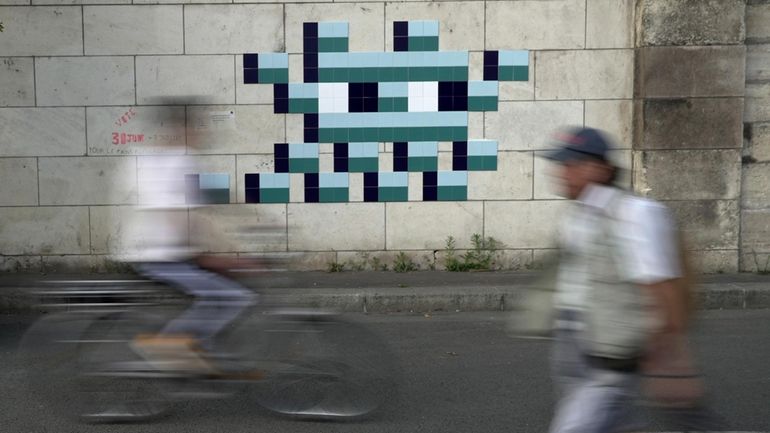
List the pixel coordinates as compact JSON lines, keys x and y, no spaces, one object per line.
{"x":460,"y":373}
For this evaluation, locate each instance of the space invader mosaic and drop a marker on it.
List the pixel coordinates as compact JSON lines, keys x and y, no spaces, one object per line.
{"x":413,"y":97}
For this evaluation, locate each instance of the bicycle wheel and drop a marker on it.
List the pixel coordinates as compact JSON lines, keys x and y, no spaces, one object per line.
{"x":114,"y":383}
{"x":323,"y":367}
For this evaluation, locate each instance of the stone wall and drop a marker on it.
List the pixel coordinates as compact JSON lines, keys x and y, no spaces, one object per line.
{"x":689,"y":97}
{"x":755,"y":191}
{"x":664,"y":77}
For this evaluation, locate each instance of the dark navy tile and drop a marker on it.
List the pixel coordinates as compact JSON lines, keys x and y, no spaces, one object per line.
{"x":371,"y":194}
{"x":401,"y":149}
{"x":281,"y":150}
{"x":371,"y":180}
{"x":460,"y":88}
{"x":430,"y":178}
{"x":311,"y":180}
{"x":371,"y":90}
{"x":310,"y":30}
{"x":400,"y":163}
{"x":429,"y":193}
{"x":490,"y":58}
{"x":311,"y":195}
{"x":370,"y":105}
{"x":401,"y":28}
{"x":281,"y":106}
{"x":490,"y":73}
{"x":311,"y":75}
{"x":310,"y":45}
{"x":459,"y":162}
{"x":340,"y":150}
{"x":460,"y":148}
{"x":355,"y":105}
{"x":356,"y":90}
{"x":445,"y":103}
{"x":445,"y":88}
{"x":341,"y":165}
{"x":281,"y":165}
{"x":460,"y":103}
{"x":311,"y":135}
{"x":311,"y":120}
{"x":252,"y":195}
{"x":251,"y":180}
{"x":310,"y":60}
{"x":251,"y":60}
{"x":400,"y":44}
{"x":251,"y":76}
{"x":281,"y":91}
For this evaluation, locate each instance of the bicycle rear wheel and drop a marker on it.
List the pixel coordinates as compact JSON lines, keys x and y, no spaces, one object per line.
{"x":321,"y":366}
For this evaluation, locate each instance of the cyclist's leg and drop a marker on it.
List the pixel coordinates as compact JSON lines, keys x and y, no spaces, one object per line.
{"x":218,"y":300}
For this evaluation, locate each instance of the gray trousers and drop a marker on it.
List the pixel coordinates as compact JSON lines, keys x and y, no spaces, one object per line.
{"x":591,"y":399}
{"x":218,"y":300}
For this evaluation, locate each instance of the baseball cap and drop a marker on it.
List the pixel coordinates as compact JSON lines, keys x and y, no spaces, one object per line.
{"x":579,"y":143}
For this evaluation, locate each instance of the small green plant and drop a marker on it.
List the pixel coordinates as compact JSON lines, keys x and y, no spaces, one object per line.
{"x":480,"y":257}
{"x":403,"y":263}
{"x":335,"y":266}
{"x":359,"y":265}
{"x":378,"y":265}
{"x":1,"y":27}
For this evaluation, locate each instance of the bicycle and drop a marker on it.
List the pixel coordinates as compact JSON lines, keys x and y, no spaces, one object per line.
{"x":298,"y":362}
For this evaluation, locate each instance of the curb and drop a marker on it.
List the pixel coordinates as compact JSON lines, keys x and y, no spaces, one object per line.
{"x":732,"y":296}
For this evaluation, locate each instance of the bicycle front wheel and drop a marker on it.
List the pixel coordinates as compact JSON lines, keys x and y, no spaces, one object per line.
{"x":321,"y":366}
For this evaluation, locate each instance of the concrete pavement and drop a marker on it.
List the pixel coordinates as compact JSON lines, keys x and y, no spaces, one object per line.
{"x":370,"y":291}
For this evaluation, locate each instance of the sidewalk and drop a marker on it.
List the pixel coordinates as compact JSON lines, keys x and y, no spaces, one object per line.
{"x":370,"y":291}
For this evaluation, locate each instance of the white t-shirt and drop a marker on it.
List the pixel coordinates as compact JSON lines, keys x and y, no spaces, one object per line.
{"x":645,"y":230}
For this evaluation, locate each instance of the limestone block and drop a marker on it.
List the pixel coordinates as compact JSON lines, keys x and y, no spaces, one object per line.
{"x":18,"y":182}
{"x":523,"y":224}
{"x":416,"y":186}
{"x":757,"y":17}
{"x":249,"y":129}
{"x":757,"y":102}
{"x":459,"y":22}
{"x":313,"y":261}
{"x":664,"y":72}
{"x":135,"y":130}
{"x":247,"y":164}
{"x":42,"y":131}
{"x":513,"y":260}
{"x":20,"y":264}
{"x":242,"y":228}
{"x":754,"y":261}
{"x":707,"y":224}
{"x":87,"y":180}
{"x":118,"y":230}
{"x":297,"y":188}
{"x":584,"y":74}
{"x":758,"y":147}
{"x":17,"y":82}
{"x":714,"y":261}
{"x":688,"y":174}
{"x":544,"y":258}
{"x":691,"y":22}
{"x":511,"y":181}
{"x":610,"y":24}
{"x":183,"y":80}
{"x":333,"y":226}
{"x":85,"y":81}
{"x":356,"y":187}
{"x":689,"y":123}
{"x":42,"y":31}
{"x":755,"y":192}
{"x":755,"y":231}
{"x":200,"y":164}
{"x":366,"y":23}
{"x":233,"y":29}
{"x":757,"y":59}
{"x":528,"y":125}
{"x":44,"y":230}
{"x":536,"y":25}
{"x":252,"y":93}
{"x":79,"y":264}
{"x":421,"y":226}
{"x":116,"y":30}
{"x":180,"y":1}
{"x":295,"y":132}
{"x":475,"y":125}
{"x":81,"y":2}
{"x":14,"y":2}
{"x":614,"y":117}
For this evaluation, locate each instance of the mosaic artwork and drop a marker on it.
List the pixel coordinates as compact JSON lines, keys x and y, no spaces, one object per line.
{"x":413,"y":97}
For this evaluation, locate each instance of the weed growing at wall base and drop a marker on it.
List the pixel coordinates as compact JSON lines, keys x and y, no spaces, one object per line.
{"x":482,"y":257}
{"x":404,"y":263}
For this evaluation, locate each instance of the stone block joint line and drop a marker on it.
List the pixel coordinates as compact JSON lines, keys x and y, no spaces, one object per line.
{"x":413,"y":97}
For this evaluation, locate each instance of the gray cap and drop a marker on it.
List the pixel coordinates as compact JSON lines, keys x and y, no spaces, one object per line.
{"x":579,"y":143}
